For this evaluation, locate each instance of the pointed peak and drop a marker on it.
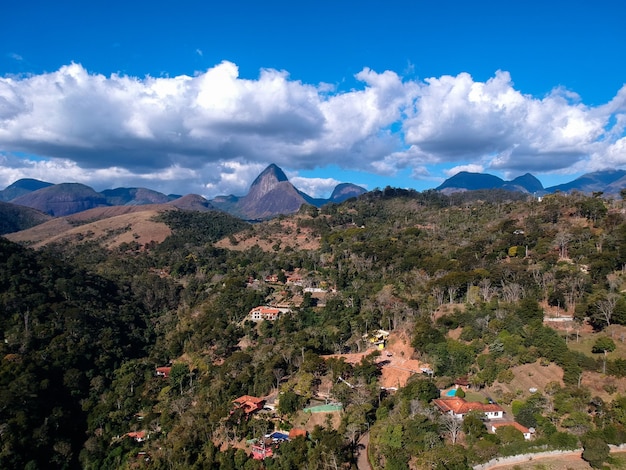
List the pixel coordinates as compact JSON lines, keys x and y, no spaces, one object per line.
{"x":271,"y":177}
{"x":272,"y":171}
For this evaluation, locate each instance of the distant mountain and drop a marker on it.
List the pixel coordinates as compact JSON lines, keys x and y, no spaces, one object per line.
{"x":134,"y":197}
{"x":617,"y":186}
{"x":69,"y":198}
{"x":62,"y":199}
{"x":525,"y":183}
{"x":345,"y":191}
{"x":192,"y":202}
{"x":608,"y":181}
{"x":21,"y":187}
{"x":466,"y":181}
{"x":272,"y":194}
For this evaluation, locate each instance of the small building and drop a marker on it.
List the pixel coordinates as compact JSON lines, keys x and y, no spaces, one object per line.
{"x":462,"y":382}
{"x":295,"y":279}
{"x":163,"y":371}
{"x":248,"y":404}
{"x":458,"y":407}
{"x":138,"y":436}
{"x":261,"y":451}
{"x":296,"y":432}
{"x":528,"y":433}
{"x":276,"y":437}
{"x":262,"y":313}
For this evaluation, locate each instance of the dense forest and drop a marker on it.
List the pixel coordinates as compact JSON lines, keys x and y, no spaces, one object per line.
{"x":469,"y":281}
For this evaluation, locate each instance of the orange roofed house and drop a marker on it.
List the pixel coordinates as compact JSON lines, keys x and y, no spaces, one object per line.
{"x":163,"y":371}
{"x":138,"y":436}
{"x":261,"y":452}
{"x":458,"y":407}
{"x":266,"y":313}
{"x":296,"y":432}
{"x":248,"y":404}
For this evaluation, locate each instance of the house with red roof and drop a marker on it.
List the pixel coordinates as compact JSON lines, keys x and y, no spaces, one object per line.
{"x":266,"y":313}
{"x":458,"y":407}
{"x":261,"y":452}
{"x":462,"y":382}
{"x":295,"y":432}
{"x":138,"y":436}
{"x":294,"y":278}
{"x":248,"y":404}
{"x":163,"y":371}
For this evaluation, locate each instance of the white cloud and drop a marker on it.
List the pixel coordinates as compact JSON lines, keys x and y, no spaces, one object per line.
{"x":471,"y":168}
{"x":458,"y":119}
{"x":315,"y":187}
{"x":213,"y":132}
{"x":232,"y":177}
{"x":613,"y":157}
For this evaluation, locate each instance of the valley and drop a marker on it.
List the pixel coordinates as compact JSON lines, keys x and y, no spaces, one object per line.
{"x":137,"y":323}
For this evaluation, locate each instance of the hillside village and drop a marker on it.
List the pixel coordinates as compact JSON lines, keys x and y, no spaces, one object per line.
{"x":403,"y":330}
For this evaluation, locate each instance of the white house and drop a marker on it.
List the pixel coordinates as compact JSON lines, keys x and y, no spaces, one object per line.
{"x":458,"y":407}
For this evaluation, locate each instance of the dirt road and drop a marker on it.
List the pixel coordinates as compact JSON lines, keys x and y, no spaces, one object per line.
{"x":361,"y":462}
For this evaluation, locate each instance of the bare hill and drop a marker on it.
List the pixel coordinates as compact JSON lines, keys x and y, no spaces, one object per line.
{"x":111,"y":226}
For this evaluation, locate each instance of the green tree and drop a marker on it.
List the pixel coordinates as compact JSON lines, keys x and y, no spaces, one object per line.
{"x":289,"y":402}
{"x":509,"y":434}
{"x":424,"y":334}
{"x":473,"y":425}
{"x":595,"y":451}
{"x":604,"y":345}
{"x":422,"y":389}
{"x":178,"y":375}
{"x":445,"y":458}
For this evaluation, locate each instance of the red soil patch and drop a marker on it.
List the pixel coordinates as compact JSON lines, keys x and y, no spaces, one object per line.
{"x":396,"y":360}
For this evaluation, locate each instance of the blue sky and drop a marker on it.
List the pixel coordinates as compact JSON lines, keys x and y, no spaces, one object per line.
{"x":199,"y":97}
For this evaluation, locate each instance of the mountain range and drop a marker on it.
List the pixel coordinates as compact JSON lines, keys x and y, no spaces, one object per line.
{"x":609,"y":182}
{"x":29,"y":202}
{"x":270,"y":194}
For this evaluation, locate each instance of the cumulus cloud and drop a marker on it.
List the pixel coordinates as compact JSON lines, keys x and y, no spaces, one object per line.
{"x":315,"y":187}
{"x":471,"y":168}
{"x":231,"y":177}
{"x":457,"y":119}
{"x":213,"y":132}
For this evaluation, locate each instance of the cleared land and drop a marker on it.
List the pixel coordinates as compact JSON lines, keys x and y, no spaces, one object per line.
{"x":110,"y":226}
{"x":396,"y":361}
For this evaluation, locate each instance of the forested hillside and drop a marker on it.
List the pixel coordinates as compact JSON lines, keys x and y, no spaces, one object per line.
{"x":133,"y":357}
